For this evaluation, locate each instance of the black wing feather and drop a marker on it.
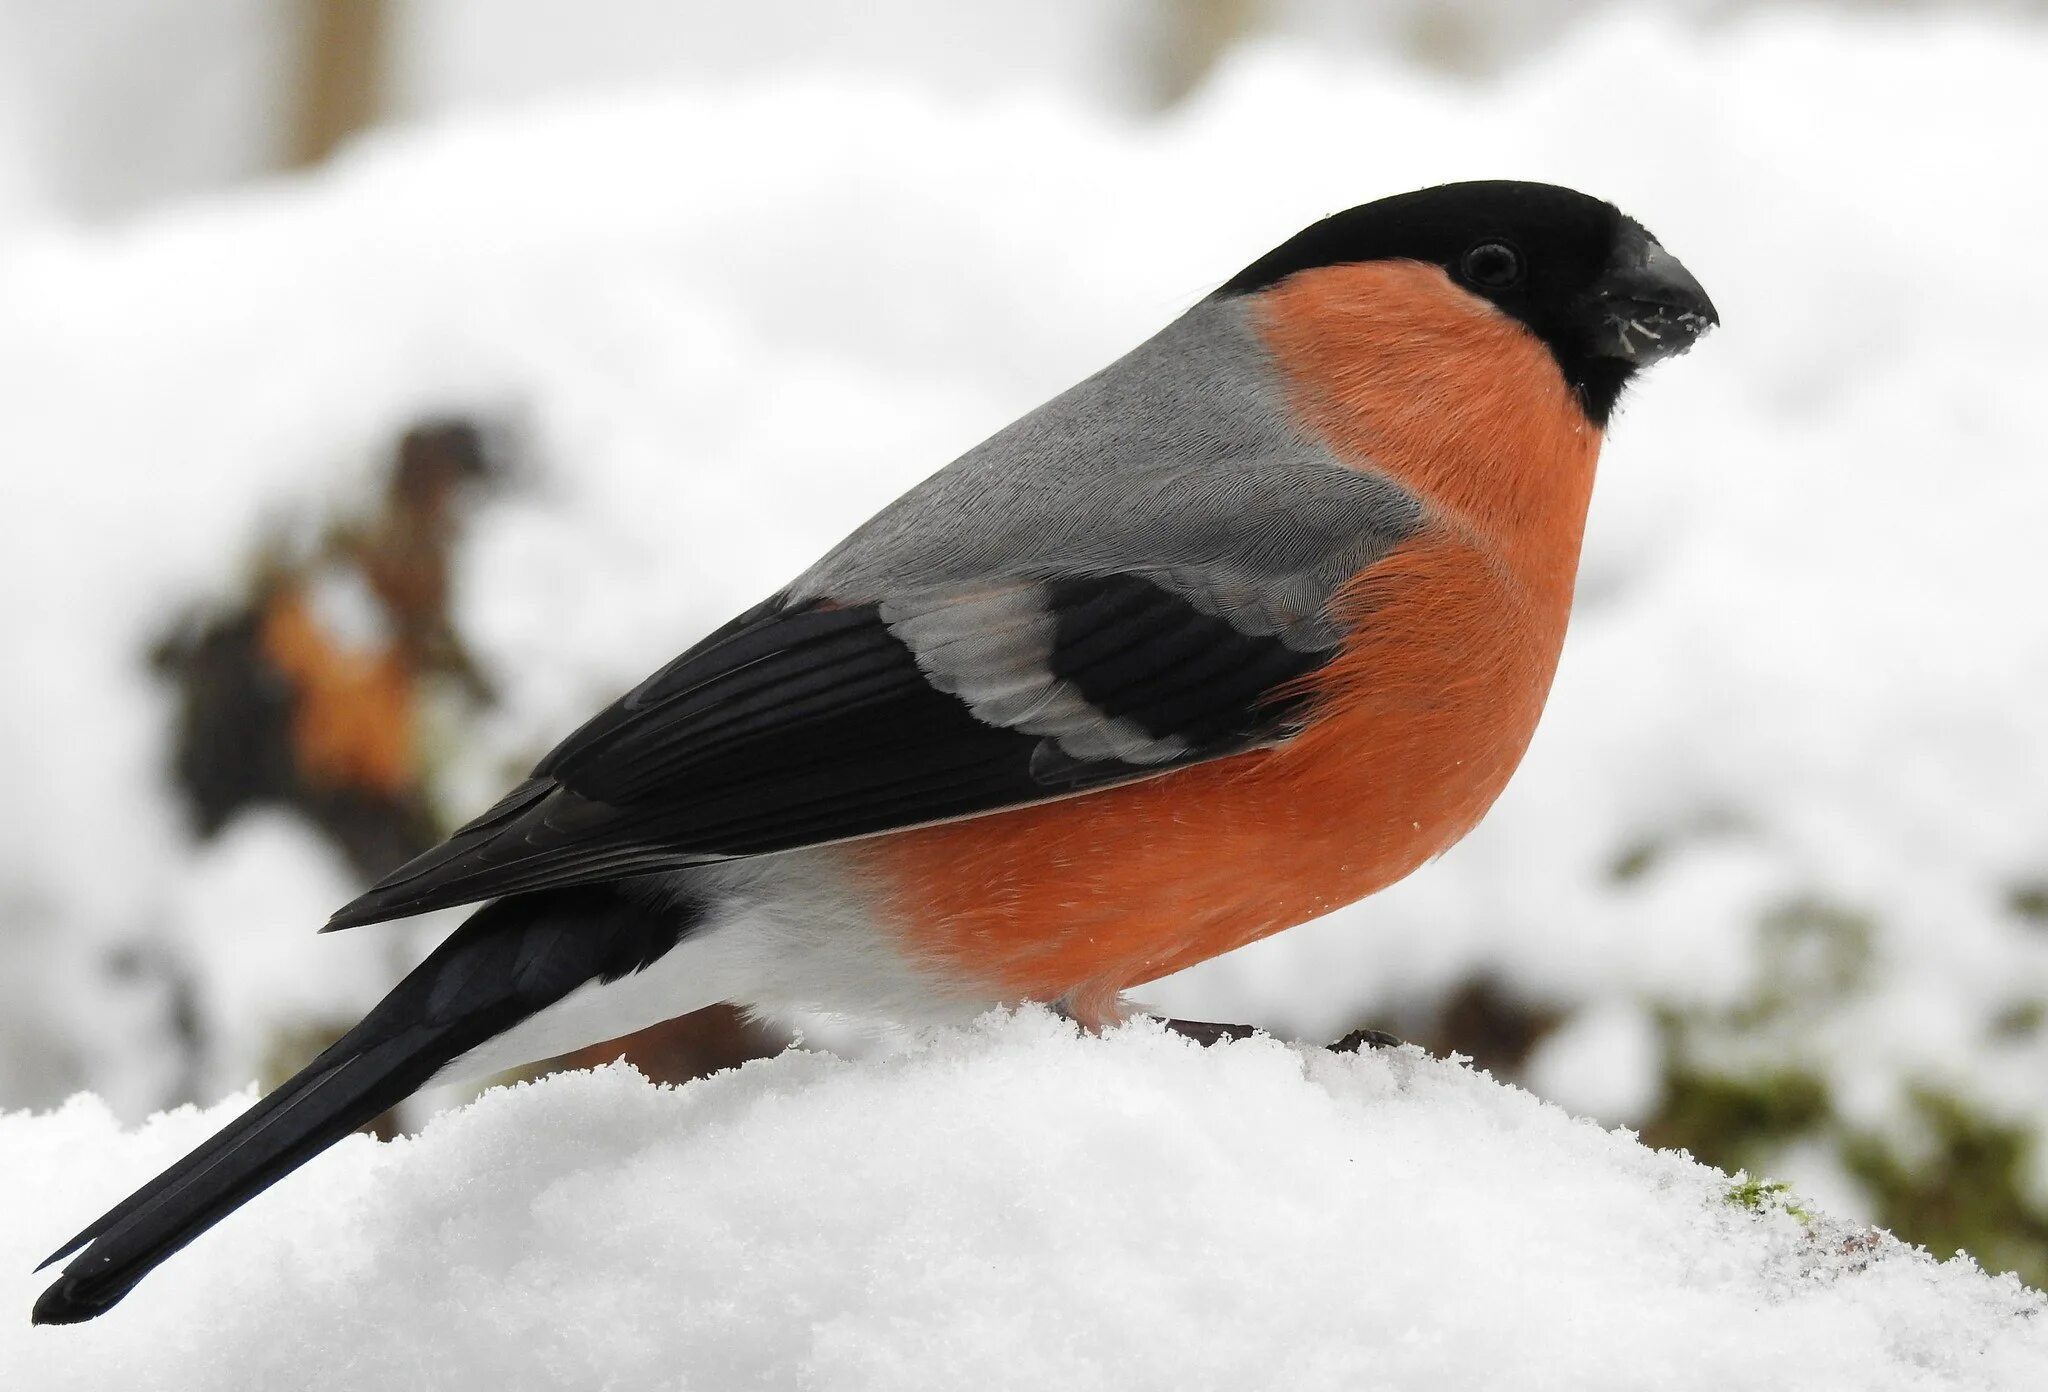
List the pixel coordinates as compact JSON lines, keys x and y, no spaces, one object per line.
{"x":794,"y":726}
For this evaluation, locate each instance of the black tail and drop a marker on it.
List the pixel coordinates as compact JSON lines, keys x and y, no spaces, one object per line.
{"x":510,"y":959}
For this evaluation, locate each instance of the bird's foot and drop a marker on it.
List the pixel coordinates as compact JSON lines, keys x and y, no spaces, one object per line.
{"x":1205,"y":1034}
{"x":1366,"y":1039}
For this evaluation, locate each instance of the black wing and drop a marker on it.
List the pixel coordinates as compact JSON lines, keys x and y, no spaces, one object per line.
{"x":798,"y":725}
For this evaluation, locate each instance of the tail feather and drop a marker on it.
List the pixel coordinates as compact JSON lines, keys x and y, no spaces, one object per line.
{"x":508,"y":961}
{"x":240,"y":1133}
{"x":256,"y":1150}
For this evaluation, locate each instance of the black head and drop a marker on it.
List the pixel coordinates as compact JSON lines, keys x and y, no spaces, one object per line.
{"x":1591,"y":283}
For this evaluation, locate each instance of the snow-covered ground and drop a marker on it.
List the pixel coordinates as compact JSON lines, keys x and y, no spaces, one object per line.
{"x":1807,"y":666}
{"x":1011,"y":1206}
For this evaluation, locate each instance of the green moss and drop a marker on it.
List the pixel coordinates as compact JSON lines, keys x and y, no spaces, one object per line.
{"x":1750,"y":1192}
{"x":1964,"y":1189}
{"x":1765,"y":1196}
{"x":1962,"y":1181}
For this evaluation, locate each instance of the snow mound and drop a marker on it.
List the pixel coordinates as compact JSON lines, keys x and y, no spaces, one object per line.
{"x":1010,"y":1205}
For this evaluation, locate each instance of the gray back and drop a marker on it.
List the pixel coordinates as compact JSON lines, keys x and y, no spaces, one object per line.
{"x":1176,"y":462}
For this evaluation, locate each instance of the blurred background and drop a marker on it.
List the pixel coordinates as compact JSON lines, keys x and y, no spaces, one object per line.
{"x":384,"y":386}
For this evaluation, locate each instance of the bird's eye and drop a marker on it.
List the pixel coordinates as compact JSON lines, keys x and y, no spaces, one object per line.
{"x":1493,"y":265}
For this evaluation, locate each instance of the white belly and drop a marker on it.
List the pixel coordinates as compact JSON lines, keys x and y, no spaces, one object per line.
{"x":781,"y":934}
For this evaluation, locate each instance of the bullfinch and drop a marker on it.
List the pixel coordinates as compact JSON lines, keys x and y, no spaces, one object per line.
{"x":1244,"y":627}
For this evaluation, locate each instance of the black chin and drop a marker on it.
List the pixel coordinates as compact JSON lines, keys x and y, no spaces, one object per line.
{"x":1598,"y":383}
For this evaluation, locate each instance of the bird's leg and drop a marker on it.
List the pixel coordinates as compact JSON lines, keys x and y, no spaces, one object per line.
{"x":1096,"y":1011}
{"x":1102,"y":1009}
{"x":1204,"y":1033}
{"x":1366,"y":1039}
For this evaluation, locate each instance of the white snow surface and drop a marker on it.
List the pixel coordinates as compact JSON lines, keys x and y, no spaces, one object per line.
{"x":1011,"y":1205}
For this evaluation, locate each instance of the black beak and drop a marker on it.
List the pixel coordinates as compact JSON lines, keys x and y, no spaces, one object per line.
{"x":1646,"y":306}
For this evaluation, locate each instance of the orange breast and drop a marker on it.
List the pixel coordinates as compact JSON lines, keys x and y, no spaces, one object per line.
{"x":1416,"y":726}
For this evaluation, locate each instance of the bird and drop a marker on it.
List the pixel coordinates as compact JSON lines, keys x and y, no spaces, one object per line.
{"x":1244,"y":627}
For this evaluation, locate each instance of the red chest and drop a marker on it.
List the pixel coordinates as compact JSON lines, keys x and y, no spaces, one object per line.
{"x":1119,"y":887}
{"x":1417,"y":724}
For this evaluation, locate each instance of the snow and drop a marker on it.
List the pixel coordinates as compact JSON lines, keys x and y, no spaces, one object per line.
{"x":118,"y":105}
{"x":112,"y":104}
{"x":726,"y":323}
{"x":1011,"y":1205}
